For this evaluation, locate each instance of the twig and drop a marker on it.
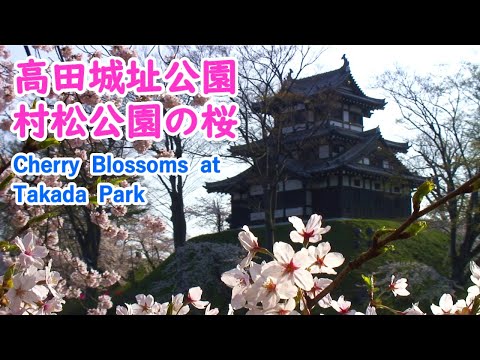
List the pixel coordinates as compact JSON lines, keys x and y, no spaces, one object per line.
{"x":376,"y":248}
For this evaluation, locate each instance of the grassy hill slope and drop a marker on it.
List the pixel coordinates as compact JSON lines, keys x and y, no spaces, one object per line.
{"x":350,"y":237}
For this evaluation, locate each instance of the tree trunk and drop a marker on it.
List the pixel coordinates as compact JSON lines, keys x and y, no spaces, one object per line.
{"x":89,"y":238}
{"x":218,"y":214}
{"x":178,"y":212}
{"x":458,"y":269}
{"x":270,"y":204}
{"x":91,"y":247}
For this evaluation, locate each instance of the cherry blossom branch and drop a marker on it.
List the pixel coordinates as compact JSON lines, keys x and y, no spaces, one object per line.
{"x":377,"y":246}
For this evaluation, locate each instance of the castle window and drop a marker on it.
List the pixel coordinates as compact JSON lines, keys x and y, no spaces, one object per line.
{"x":323,"y":152}
{"x":338,"y":149}
{"x":364,"y":161}
{"x":386,"y":164}
{"x":333,"y":180}
{"x":377,"y":186}
{"x":299,"y":116}
{"x":256,"y":190}
{"x":357,"y":182}
{"x":356,"y":118}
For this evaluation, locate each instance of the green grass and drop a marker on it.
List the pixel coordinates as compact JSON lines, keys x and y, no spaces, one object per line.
{"x":429,"y":247}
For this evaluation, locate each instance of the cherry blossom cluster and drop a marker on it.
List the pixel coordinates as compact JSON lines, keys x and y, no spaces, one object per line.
{"x":29,"y":287}
{"x":465,"y":306}
{"x":179,"y":305}
{"x":289,"y":283}
{"x":283,"y":285}
{"x":104,"y":303}
{"x":6,"y":79}
{"x":152,"y":224}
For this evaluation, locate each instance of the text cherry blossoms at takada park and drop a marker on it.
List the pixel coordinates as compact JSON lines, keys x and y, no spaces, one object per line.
{"x":135,"y":121}
{"x":144,"y":120}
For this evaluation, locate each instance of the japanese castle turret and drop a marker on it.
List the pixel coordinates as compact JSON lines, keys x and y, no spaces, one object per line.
{"x":332,"y":167}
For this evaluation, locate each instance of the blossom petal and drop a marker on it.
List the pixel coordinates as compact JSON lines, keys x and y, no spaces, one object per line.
{"x":238,"y":300}
{"x":247,"y":240}
{"x":40,"y":252}
{"x":303,"y":259}
{"x":446,"y":302}
{"x":29,"y":241}
{"x":195,"y":293}
{"x":314,"y":222}
{"x":324,"y":230}
{"x":17,"y":241}
{"x":475,"y":269}
{"x":247,"y":260}
{"x":231,"y":277}
{"x":283,"y":252}
{"x":273,"y":269}
{"x":270,"y":301}
{"x":286,"y":290}
{"x":303,"y":279}
{"x":296,"y":237}
{"x":401,"y":292}
{"x":436,"y":310}
{"x":255,"y":271}
{"x":297,"y":223}
{"x":200,"y":304}
{"x":333,"y":260}
{"x":323,"y":249}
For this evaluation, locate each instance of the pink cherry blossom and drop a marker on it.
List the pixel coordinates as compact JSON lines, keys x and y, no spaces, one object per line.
{"x":342,"y":306}
{"x":194,"y":295}
{"x":475,"y":270}
{"x":239,"y":281}
{"x":325,"y":260}
{"x":51,"y":278}
{"x":19,"y":219}
{"x":399,"y":287}
{"x":123,"y":51}
{"x":142,"y":146}
{"x":178,"y":306}
{"x":312,"y":232}
{"x":119,"y":210}
{"x":104,"y":302}
{"x":209,"y":311}
{"x":24,"y":292}
{"x":318,"y":286}
{"x":46,"y":48}
{"x":291,"y":266}
{"x":50,"y":307}
{"x":249,"y":243}
{"x":30,"y":252}
{"x":414,"y":310}
{"x":124,"y":310}
{"x":146,"y":305}
{"x":371,"y":310}
{"x":286,"y":308}
{"x":97,"y":311}
{"x":269,"y":291}
{"x":4,"y":52}
{"x":446,"y":306}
